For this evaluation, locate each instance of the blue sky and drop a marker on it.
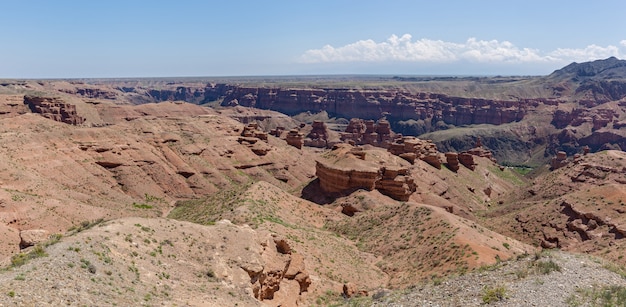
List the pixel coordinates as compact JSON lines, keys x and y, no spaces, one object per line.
{"x":78,"y":39}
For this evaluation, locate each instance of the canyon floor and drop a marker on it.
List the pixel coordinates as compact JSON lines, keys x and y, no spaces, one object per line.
{"x":163,"y":192}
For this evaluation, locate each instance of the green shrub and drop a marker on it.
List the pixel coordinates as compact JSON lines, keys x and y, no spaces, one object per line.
{"x":493,"y":294}
{"x":142,"y":206}
{"x":22,"y":258}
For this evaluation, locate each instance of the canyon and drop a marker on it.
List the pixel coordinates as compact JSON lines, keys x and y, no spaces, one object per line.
{"x":290,"y":192}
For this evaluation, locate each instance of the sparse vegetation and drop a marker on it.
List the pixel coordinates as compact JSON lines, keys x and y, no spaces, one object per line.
{"x":546,"y":267}
{"x":22,"y":258}
{"x":425,"y":243}
{"x":84,"y":225}
{"x":614,"y":295}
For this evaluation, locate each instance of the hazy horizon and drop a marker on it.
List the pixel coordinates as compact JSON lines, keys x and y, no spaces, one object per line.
{"x":141,"y":39}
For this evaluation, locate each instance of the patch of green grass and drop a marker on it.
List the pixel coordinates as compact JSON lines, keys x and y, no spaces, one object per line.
{"x":507,"y":175}
{"x":142,"y":206}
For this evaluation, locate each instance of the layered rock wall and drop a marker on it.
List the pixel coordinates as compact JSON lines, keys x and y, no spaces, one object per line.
{"x":368,"y":132}
{"x":352,"y":171}
{"x":372,"y":104}
{"x":54,"y":108}
{"x":336,"y":180}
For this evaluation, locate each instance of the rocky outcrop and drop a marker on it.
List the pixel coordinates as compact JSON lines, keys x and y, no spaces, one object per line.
{"x":396,"y":183}
{"x":54,"y":108}
{"x":480,"y":151}
{"x":33,"y":237}
{"x":252,"y":130}
{"x":295,"y":138}
{"x":452,"y":161}
{"x":586,"y":225}
{"x":559,"y":161}
{"x":336,"y":180}
{"x":597,"y":118}
{"x":351,"y":170}
{"x":278,"y":131}
{"x":467,"y":160}
{"x":251,"y":137}
{"x":362,"y":132}
{"x":319,"y":136}
{"x":280,"y":267}
{"x":411,"y":148}
{"x":351,"y":290}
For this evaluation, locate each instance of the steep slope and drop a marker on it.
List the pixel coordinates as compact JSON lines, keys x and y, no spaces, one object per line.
{"x":418,"y":242}
{"x":578,"y":207}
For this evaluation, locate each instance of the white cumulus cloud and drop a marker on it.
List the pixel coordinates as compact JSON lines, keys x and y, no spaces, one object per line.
{"x":405,"y":49}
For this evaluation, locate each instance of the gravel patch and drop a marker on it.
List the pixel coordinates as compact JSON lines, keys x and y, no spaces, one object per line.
{"x":524,"y":281}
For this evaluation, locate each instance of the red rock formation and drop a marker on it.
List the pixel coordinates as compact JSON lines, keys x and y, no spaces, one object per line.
{"x":478,"y":151}
{"x":396,"y":183}
{"x":295,"y":138}
{"x":362,"y":132}
{"x":374,"y":103}
{"x":32,"y":237}
{"x":559,"y":161}
{"x":252,"y":130}
{"x":335,"y":180}
{"x":452,"y":159}
{"x":598,"y":118}
{"x":96,"y":93}
{"x":250,"y":136}
{"x":351,"y":170}
{"x":278,"y":131}
{"x":411,"y":148}
{"x":54,"y":108}
{"x":318,"y":137}
{"x":467,"y":160}
{"x":181,"y":93}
